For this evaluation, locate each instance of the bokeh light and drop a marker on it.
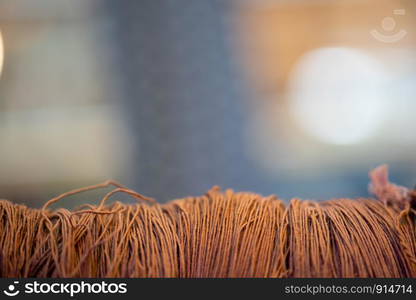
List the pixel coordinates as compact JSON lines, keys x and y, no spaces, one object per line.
{"x":336,"y":95}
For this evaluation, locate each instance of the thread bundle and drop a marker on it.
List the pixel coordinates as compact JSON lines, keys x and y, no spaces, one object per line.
{"x":219,"y":234}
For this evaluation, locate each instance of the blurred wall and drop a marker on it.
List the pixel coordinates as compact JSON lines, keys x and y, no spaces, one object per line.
{"x":183,"y":98}
{"x":295,"y":98}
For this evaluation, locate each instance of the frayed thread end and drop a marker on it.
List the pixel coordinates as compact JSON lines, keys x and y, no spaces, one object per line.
{"x":387,"y":192}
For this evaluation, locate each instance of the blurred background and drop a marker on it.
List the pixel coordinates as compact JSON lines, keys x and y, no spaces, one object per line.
{"x":290,"y":97}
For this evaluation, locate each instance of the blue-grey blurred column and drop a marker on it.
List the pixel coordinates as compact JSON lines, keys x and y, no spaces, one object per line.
{"x":181,"y":96}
